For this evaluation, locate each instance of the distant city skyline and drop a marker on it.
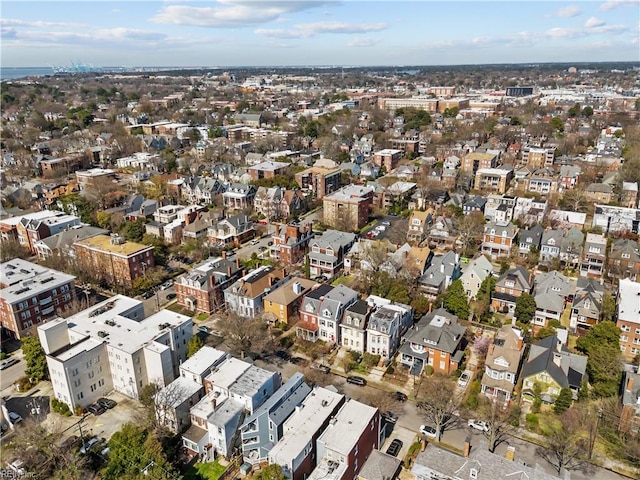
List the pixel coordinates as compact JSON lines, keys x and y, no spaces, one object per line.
{"x":288,"y":33}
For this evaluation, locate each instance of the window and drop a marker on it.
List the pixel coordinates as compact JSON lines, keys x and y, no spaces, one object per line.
{"x":473,"y":473}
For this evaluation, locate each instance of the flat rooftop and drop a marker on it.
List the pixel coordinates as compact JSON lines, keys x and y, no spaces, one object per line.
{"x":251,"y":381}
{"x":202,"y":360}
{"x":343,"y":432}
{"x":228,"y":372}
{"x":104,"y":243}
{"x":24,"y":283}
{"x":350,"y":193}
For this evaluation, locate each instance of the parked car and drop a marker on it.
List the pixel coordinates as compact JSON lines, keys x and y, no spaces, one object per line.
{"x":204,"y":329}
{"x":356,"y":380}
{"x":255,"y":242}
{"x":171,"y":296}
{"x":89,"y":444}
{"x":106,"y":403}
{"x":401,"y":397}
{"x":389,"y":417}
{"x":394,"y":447}
{"x":427,"y":431}
{"x":8,"y":362}
{"x":148,"y":294}
{"x":478,"y":425}
{"x":464,"y":379}
{"x":322,"y":368}
{"x":96,"y":409}
{"x":283,"y":355}
{"x":166,"y":285}
{"x":14,"y":417}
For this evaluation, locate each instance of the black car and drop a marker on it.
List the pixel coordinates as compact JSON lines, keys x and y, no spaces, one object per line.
{"x":96,"y":409}
{"x":106,"y":403}
{"x":401,"y":397}
{"x":356,"y":380}
{"x":395,"y":447}
{"x":148,"y":294}
{"x":283,"y":355}
{"x":389,"y":417}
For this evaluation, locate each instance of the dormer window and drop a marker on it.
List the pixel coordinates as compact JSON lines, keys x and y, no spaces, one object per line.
{"x":625,"y":255}
{"x":326,"y":313}
{"x":504,"y":233}
{"x":473,"y":474}
{"x":493,"y":231}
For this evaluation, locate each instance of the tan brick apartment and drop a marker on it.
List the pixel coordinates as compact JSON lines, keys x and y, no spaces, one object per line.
{"x":348,"y":208}
{"x":537,"y":156}
{"x":428,"y":104}
{"x":493,"y":179}
{"x":473,"y":161}
{"x":629,"y":318}
{"x":115,"y":259}
{"x":319,"y":181}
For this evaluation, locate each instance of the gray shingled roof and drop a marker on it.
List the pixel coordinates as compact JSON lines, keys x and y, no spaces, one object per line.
{"x":439,"y":329}
{"x":568,"y":373}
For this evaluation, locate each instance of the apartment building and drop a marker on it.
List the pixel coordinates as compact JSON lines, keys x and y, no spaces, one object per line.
{"x":290,"y":242}
{"x":31,"y":295}
{"x":319,"y":181}
{"x":118,"y":261}
{"x":94,"y":176}
{"x":629,"y":318}
{"x":474,"y":161}
{"x":112,"y":346}
{"x":202,"y":289}
{"x":493,"y":179}
{"x":387,"y":158}
{"x":244,"y":296}
{"x":428,"y":104}
{"x":31,"y":230}
{"x":536,"y":156}
{"x":296,"y":451}
{"x":387,"y":322}
{"x":281,"y":304}
{"x":503,"y":363}
{"x":267,"y":169}
{"x":347,"y":442}
{"x":612,"y":219}
{"x":61,"y":243}
{"x":348,"y":208}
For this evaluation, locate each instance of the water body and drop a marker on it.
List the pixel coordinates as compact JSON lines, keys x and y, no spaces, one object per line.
{"x":10,"y":73}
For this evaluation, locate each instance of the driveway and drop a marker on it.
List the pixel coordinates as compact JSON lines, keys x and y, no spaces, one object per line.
{"x":395,"y":232}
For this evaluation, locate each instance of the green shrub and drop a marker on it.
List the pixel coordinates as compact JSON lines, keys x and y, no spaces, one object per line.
{"x":60,"y":407}
{"x":79,"y":411}
{"x":370,"y":360}
{"x":3,"y":355}
{"x":355,"y":356}
{"x":532,"y":421}
{"x":390,"y":370}
{"x":428,"y":370}
{"x":24,"y":384}
{"x":286,"y":342}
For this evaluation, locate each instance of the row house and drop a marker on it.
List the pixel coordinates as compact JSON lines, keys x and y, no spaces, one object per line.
{"x":624,"y":259}
{"x":473,"y":274}
{"x":348,"y":208}
{"x":31,"y":295}
{"x":353,"y":328}
{"x":511,"y":284}
{"x":502,"y":365}
{"x":238,"y":196}
{"x":327,"y":252}
{"x":202,"y":289}
{"x":529,"y":239}
{"x":630,"y":417}
{"x":611,"y":219}
{"x":442,"y":271}
{"x":568,"y":177}
{"x":594,"y":256}
{"x":319,"y":181}
{"x":31,"y":230}
{"x":387,"y":322}
{"x":290,"y":242}
{"x":282,"y":304}
{"x":628,"y":196}
{"x":499,"y":208}
{"x":549,"y":308}
{"x":233,"y":230}
{"x":529,"y":211}
{"x":587,"y":304}
{"x":565,"y":245}
{"x":201,"y":189}
{"x":437,"y":339}
{"x":60,"y":244}
{"x":475,"y":203}
{"x":493,"y":179}
{"x":498,"y":239}
{"x":278,"y":203}
{"x":88,"y":352}
{"x":628,"y":318}
{"x":244,"y":297}
{"x":322,"y":310}
{"x":116,"y":260}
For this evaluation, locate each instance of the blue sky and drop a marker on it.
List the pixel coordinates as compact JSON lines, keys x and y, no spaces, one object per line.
{"x":287,"y":32}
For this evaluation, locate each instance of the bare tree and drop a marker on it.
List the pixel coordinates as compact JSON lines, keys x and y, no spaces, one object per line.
{"x":438,"y":402}
{"x":501,"y":420}
{"x":564,"y":448}
{"x":470,"y":230}
{"x":245,"y":335}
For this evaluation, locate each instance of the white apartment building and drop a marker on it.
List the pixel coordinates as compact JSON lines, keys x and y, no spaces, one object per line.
{"x":111,"y":346}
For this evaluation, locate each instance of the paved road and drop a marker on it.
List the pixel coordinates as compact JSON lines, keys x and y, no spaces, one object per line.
{"x":10,"y":375}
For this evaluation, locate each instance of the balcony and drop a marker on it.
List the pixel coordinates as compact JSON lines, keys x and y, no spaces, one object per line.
{"x":46,"y":300}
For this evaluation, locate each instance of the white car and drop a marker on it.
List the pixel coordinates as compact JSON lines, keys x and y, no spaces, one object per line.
{"x":464,"y":379}
{"x":427,"y":431}
{"x":254,"y":242}
{"x":478,"y":425}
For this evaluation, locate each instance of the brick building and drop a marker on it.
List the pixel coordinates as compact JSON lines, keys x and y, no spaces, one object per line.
{"x":348,"y":208}
{"x":319,"y":181}
{"x":387,"y":158}
{"x":267,"y":170}
{"x":118,"y":261}
{"x":629,"y":318}
{"x":31,"y":230}
{"x":290,"y":242}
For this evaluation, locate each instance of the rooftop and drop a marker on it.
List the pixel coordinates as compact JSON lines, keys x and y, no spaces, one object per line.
{"x":345,"y":429}
{"x":203,"y":360}
{"x":26,"y":280}
{"x":107,"y":243}
{"x":350,"y":193}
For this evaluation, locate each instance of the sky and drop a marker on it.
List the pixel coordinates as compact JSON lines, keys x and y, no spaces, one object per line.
{"x":287,"y":32}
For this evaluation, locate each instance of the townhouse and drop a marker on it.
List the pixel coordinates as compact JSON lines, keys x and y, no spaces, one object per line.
{"x":442,"y":271}
{"x":281,"y":304}
{"x":387,"y":322}
{"x":327,"y":252}
{"x":624,"y":259}
{"x":568,"y":177}
{"x":244,"y":296}
{"x":353,"y":327}
{"x":550,"y":245}
{"x":348,"y":209}
{"x":587,"y":304}
{"x":502,"y":365}
{"x":437,"y":339}
{"x":498,"y":239}
{"x":31,"y":295}
{"x":499,"y":208}
{"x":238,"y":196}
{"x":31,"y":230}
{"x":571,"y":248}
{"x":594,"y":256}
{"x":321,"y":311}
{"x":629,"y":195}
{"x":233,"y":230}
{"x":612,"y":219}
{"x":202,"y":289}
{"x":112,"y":346}
{"x":628,"y":318}
{"x":290,"y":242}
{"x":530,"y":240}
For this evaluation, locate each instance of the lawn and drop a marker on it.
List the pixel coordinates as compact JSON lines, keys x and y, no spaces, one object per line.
{"x":205,"y":471}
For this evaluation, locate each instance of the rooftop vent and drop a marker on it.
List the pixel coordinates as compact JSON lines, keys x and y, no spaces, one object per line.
{"x":102,"y":334}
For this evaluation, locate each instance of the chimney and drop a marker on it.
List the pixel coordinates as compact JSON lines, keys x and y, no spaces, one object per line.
{"x":224,"y":254}
{"x":467,"y":447}
{"x":557,"y":358}
{"x":629,"y":384}
{"x":491,"y":348}
{"x":510,"y":453}
{"x":229,"y":271}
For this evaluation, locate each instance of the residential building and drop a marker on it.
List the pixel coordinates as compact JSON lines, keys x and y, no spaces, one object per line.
{"x":565,"y":219}
{"x":112,"y":346}
{"x":442,"y":235}
{"x":552,"y":367}
{"x":326,"y":253}
{"x":437,"y":339}
{"x":290,"y":242}
{"x":594,"y":256}
{"x":278,"y":203}
{"x":503,"y":364}
{"x":202,"y":289}
{"x":630,"y":417}
{"x":321,"y":312}
{"x":549,"y":307}
{"x":474,"y":273}
{"x":319,"y":181}
{"x":500,"y":208}
{"x":493,"y":179}
{"x":419,"y":222}
{"x":613,"y":219}
{"x":31,"y":295}
{"x":587,"y":304}
{"x":9,"y":226}
{"x":628,"y":318}
{"x":387,"y":158}
{"x":538,"y":156}
{"x":530,"y":238}
{"x":498,"y":239}
{"x":233,"y":230}
{"x":387,"y":322}
{"x":347,"y":442}
{"x":353,"y":328}
{"x":267,"y":169}
{"x":282,"y":303}
{"x":624,"y":259}
{"x":238,"y":196}
{"x":347,"y":209}
{"x":380,"y":466}
{"x":31,"y":230}
{"x":61,"y":243}
{"x":262,"y":430}
{"x":550,"y":245}
{"x":475,"y":203}
{"x":94,"y":176}
{"x":554,"y":282}
{"x":116,"y":260}
{"x":474,"y":161}
{"x":569,"y":177}
{"x":511,"y":284}
{"x":173,"y":401}
{"x":296,"y":451}
{"x":244,"y":297}
{"x":629,"y":195}
{"x":599,"y":193}
{"x":442,"y":271}
{"x":571,"y":247}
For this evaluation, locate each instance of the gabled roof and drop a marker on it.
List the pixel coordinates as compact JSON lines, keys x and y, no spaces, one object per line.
{"x":519,"y":275}
{"x":439,"y":330}
{"x":566,"y":368}
{"x":549,"y":301}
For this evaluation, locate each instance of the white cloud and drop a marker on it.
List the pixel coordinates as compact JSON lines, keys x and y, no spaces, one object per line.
{"x":14,"y":22}
{"x":361,"y":42}
{"x":563,"y":33}
{"x":231,"y":13}
{"x":568,"y":12}
{"x":593,"y":22}
{"x":612,"y":4}
{"x":307,"y":30}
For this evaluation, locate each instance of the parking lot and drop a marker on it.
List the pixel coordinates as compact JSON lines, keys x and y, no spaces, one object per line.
{"x":388,"y":227}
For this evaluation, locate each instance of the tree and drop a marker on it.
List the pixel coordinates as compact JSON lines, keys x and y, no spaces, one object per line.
{"x":557,"y":124}
{"x":35,"y":358}
{"x":563,"y":402}
{"x":608,"y":307}
{"x":502,"y":421}
{"x":545,"y":332}
{"x":271,"y":472}
{"x":525,"y":308}
{"x":420,"y":305}
{"x":564,"y":446}
{"x":470,"y":230}
{"x":134,"y":451}
{"x":12,"y":249}
{"x":455,"y":300}
{"x":194,"y":345}
{"x":438,"y":403}
{"x":601,"y":344}
{"x":245,"y":335}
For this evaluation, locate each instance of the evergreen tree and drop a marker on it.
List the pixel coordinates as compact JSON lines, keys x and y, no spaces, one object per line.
{"x":455,"y":300}
{"x":194,"y":345}
{"x":35,"y":358}
{"x":563,"y":402}
{"x":525,"y":308}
